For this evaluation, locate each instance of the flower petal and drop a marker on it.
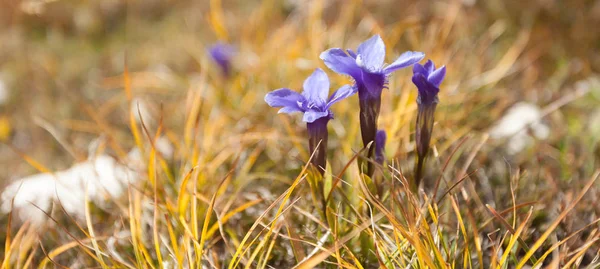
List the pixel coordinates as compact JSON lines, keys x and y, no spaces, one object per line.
{"x":419,"y":69}
{"x":340,"y":62}
{"x":406,"y":59}
{"x":380,"y":138}
{"x":429,"y":66}
{"x":437,"y":76}
{"x":341,"y":93}
{"x":222,"y":54}
{"x":427,"y":91}
{"x":289,"y":109}
{"x":285,"y":98}
{"x":311,"y":116}
{"x":372,"y":52}
{"x":316,"y":88}
{"x":351,"y":53}
{"x":373,"y":82}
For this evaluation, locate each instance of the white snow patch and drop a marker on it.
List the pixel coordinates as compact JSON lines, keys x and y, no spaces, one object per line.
{"x":516,"y":123}
{"x":103,"y":177}
{"x":3,"y":92}
{"x":164,"y":146}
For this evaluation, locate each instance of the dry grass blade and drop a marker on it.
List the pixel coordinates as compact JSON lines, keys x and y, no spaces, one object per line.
{"x":273,"y":228}
{"x":580,"y":252}
{"x":297,"y":248}
{"x":439,"y":179}
{"x":553,"y":226}
{"x":51,"y":260}
{"x":556,"y":245}
{"x":209,"y":211}
{"x":133,"y":228}
{"x":283,"y":198}
{"x":88,"y":220}
{"x":217,"y":19}
{"x":463,"y":229}
{"x":446,"y":192}
{"x":183,"y":196}
{"x":316,"y":259}
{"x":7,"y":241}
{"x":511,"y":230}
{"x":35,"y":164}
{"x":476,"y":239}
{"x":338,"y":178}
{"x":85,"y":248}
{"x":230,"y":214}
{"x":514,"y":238}
{"x":506,"y":211}
{"x":155,"y":222}
{"x":10,"y":245}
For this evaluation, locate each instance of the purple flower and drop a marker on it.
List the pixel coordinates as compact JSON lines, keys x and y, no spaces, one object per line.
{"x":427,"y":79}
{"x":366,"y":66}
{"x":380,"y":138}
{"x":313,"y":102}
{"x":222,"y":53}
{"x":370,"y":76}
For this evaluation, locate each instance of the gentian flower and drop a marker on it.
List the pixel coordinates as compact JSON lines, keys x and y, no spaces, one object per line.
{"x":370,"y":77}
{"x":380,"y":138}
{"x":222,"y":54}
{"x":427,"y":79}
{"x":313,"y":102}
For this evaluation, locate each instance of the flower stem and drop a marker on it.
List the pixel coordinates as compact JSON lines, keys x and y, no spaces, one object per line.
{"x":369,"y":112}
{"x":414,"y":185}
{"x":317,"y":143}
{"x":425,"y":119}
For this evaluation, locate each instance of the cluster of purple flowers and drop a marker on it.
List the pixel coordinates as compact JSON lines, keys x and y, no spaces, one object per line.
{"x":370,"y":76}
{"x":366,"y":67}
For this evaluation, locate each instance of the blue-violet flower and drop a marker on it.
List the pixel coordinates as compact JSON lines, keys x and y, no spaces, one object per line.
{"x":222,"y":54}
{"x":366,"y":67}
{"x":427,"y":79}
{"x":313,"y":102}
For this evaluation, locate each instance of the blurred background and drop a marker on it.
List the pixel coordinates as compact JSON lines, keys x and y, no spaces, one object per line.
{"x":62,"y":64}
